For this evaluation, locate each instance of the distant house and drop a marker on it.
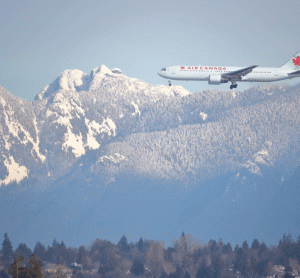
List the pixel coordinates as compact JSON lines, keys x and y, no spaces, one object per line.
{"x":278,"y":271}
{"x":55,"y":270}
{"x":76,"y":266}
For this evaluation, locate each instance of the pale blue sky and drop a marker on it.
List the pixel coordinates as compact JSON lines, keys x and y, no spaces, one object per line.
{"x":41,"y":39}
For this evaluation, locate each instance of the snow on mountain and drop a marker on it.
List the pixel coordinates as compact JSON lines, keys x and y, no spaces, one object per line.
{"x":97,"y":76}
{"x":203,"y":116}
{"x":16,"y":173}
{"x":15,"y":128}
{"x":20,"y":139}
{"x":260,"y":158}
{"x":74,"y":80}
{"x":136,"y":109}
{"x":79,"y":113}
{"x":69,"y":80}
{"x":75,"y":114}
{"x":95,"y":129}
{"x":115,"y":158}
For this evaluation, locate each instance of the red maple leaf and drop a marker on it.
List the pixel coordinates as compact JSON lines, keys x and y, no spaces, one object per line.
{"x":296,"y":61}
{"x":182,"y":68}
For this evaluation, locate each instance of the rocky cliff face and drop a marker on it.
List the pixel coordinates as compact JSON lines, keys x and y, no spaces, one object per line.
{"x":98,"y":129}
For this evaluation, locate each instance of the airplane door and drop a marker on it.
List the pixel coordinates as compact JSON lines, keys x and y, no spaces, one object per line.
{"x":276,"y":73}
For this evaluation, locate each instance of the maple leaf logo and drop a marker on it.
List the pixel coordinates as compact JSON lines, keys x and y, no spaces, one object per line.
{"x":296,"y":61}
{"x":183,"y":67}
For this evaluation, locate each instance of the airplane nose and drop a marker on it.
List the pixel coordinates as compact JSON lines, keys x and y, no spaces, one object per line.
{"x":158,"y":73}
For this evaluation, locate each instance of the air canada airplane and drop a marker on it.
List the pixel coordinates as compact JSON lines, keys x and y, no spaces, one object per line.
{"x":215,"y":75}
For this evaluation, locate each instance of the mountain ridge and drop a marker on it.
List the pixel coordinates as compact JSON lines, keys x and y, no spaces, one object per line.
{"x":110,"y":139}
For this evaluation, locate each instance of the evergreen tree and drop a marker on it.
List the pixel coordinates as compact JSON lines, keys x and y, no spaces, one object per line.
{"x":263,"y":247}
{"x":236,"y":249}
{"x":220,"y":244}
{"x":39,"y":250}
{"x":287,"y":238}
{"x":62,"y":245}
{"x":255,"y":244}
{"x":217,"y":266}
{"x":137,"y":268}
{"x":82,"y":253}
{"x":181,"y":245}
{"x":227,"y":249}
{"x":260,"y":268}
{"x":140,"y":245}
{"x":213,"y":246}
{"x":245,"y":246}
{"x":55,"y":243}
{"x":23,"y":250}
{"x":284,"y":238}
{"x":83,"y":258}
{"x":204,"y":271}
{"x":7,"y":250}
{"x":241,"y":261}
{"x":123,"y":244}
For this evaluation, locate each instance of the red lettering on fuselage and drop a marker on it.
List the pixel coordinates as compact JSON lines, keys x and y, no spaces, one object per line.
{"x":202,"y":68}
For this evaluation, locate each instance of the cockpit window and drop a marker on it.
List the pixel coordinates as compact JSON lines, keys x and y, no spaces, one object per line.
{"x":163,"y":69}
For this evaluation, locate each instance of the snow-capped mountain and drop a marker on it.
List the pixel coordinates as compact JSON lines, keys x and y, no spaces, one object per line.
{"x":103,"y":139}
{"x":75,"y":114}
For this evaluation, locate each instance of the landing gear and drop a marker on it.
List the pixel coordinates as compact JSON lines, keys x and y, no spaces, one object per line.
{"x":170,"y":83}
{"x":234,"y":85}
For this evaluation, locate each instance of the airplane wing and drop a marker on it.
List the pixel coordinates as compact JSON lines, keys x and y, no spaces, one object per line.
{"x":238,"y":74}
{"x":294,"y":72}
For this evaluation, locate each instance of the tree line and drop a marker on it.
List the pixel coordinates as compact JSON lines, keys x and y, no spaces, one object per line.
{"x":186,"y":258}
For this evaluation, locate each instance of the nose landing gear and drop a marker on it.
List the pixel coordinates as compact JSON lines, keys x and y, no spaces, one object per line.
{"x":170,"y":83}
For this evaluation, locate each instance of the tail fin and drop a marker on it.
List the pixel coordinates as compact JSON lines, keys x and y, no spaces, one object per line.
{"x":293,"y":63}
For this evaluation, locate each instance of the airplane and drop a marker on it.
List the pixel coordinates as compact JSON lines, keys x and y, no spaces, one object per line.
{"x":215,"y":75}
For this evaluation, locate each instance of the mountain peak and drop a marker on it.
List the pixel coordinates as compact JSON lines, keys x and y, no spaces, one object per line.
{"x":102,"y":70}
{"x":69,"y":80}
{"x":75,"y":80}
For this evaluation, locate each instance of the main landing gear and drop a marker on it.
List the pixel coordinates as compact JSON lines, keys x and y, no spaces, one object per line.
{"x":234,"y":85}
{"x":170,"y":83}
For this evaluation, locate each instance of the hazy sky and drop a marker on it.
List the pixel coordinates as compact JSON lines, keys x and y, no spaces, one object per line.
{"x":41,"y":39}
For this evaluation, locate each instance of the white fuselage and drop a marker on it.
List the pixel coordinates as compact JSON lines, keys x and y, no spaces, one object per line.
{"x":202,"y":73}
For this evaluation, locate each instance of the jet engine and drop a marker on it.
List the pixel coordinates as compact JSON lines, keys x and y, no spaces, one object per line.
{"x":215,"y":79}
